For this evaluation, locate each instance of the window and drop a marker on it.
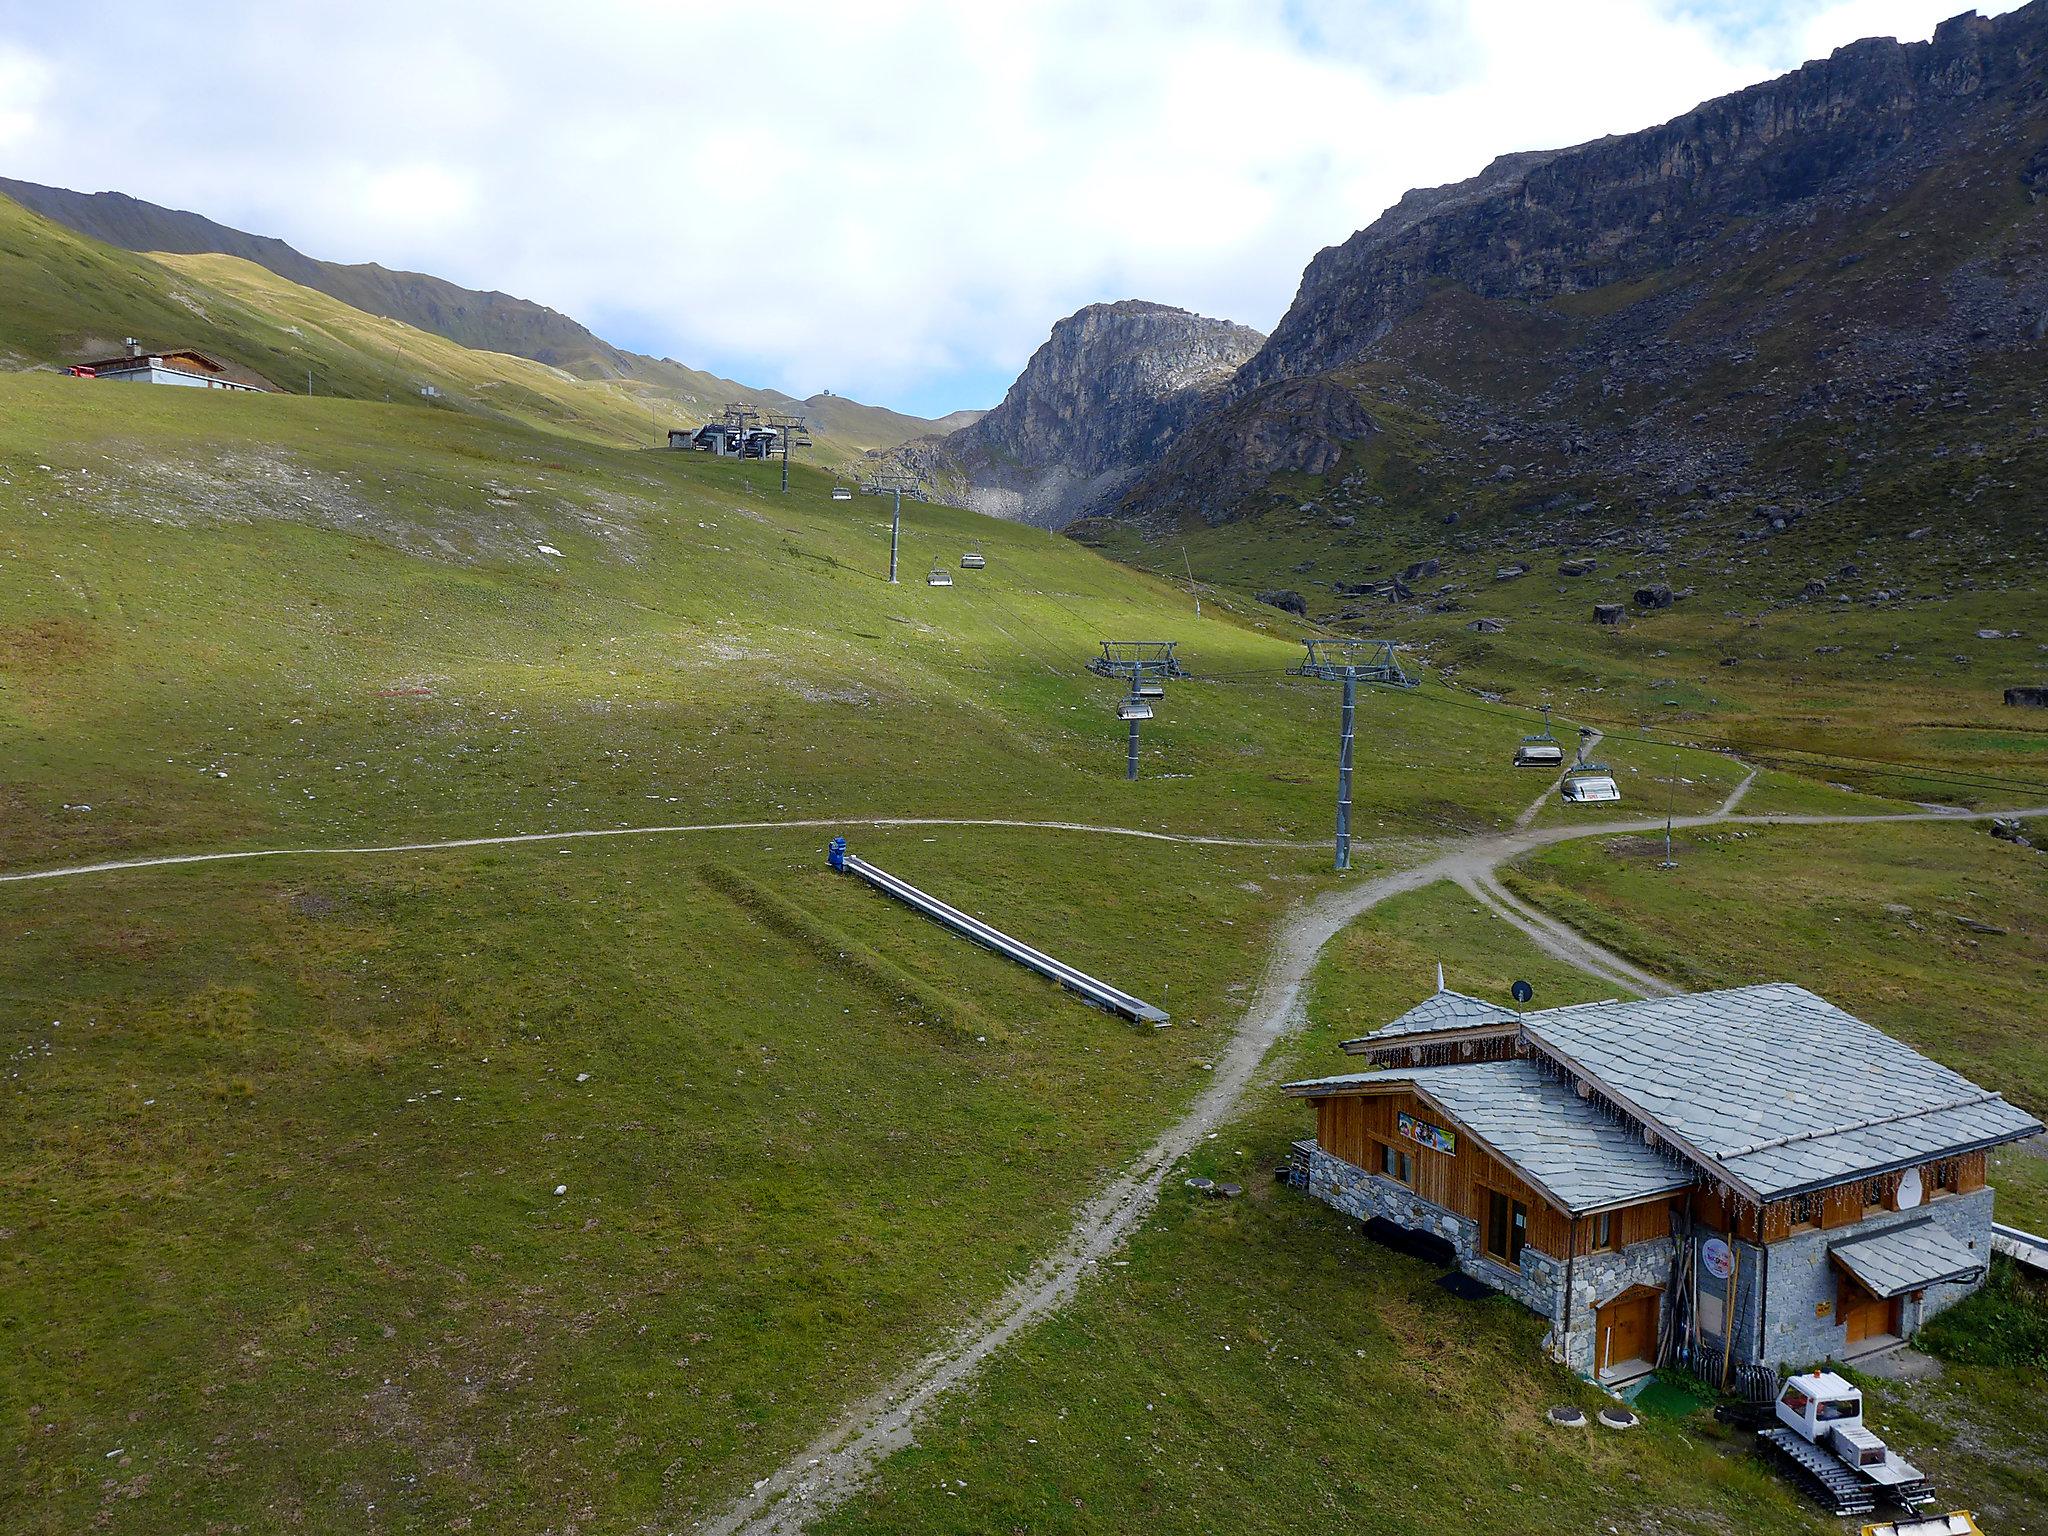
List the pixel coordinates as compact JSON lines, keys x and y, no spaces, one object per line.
{"x":1507,"y":1228}
{"x":1945,"y":1178}
{"x":1877,"y":1195}
{"x":1602,"y":1229}
{"x":1802,"y":1211}
{"x":1397,"y":1164}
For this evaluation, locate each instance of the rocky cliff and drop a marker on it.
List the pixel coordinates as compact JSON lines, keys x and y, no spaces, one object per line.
{"x":1822,"y":296}
{"x":1105,"y":396}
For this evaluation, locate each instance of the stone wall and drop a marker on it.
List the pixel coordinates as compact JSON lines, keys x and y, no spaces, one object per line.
{"x":1540,"y":1283}
{"x":1802,"y":1276}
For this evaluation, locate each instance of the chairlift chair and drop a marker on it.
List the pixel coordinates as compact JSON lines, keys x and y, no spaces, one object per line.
{"x":973,"y":560}
{"x":940,"y":576}
{"x":1151,"y":688}
{"x":1542,"y":750}
{"x":1133,"y":709}
{"x":1589,"y":784}
{"x":841,"y":493}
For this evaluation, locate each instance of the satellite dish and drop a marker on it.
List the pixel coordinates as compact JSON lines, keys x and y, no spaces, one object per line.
{"x":1909,"y":1189}
{"x":1521,"y":991}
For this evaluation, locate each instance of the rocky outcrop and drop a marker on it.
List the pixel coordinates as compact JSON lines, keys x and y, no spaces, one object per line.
{"x":1542,"y":225}
{"x":1106,"y":395}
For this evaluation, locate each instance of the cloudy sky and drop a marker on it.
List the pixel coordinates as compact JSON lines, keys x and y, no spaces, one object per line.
{"x":893,"y":200}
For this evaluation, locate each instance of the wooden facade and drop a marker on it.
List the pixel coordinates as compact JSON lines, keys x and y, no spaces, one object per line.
{"x":1363,"y":1128}
{"x":1841,"y":1205}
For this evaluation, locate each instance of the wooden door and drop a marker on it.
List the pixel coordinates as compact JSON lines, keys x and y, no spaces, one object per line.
{"x":1628,"y":1328}
{"x":1863,"y":1315}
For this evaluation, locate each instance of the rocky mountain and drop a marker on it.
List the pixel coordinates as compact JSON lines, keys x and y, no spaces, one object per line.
{"x":1824,"y":297}
{"x":1103,"y":397}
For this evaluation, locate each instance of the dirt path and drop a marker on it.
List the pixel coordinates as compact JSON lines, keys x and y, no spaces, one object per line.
{"x":163,"y":861}
{"x":838,"y":1462}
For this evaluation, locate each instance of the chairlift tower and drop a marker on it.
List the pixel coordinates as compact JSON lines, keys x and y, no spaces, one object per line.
{"x":794,"y":432}
{"x":1148,"y":664}
{"x":892,"y":483}
{"x":1350,"y":662}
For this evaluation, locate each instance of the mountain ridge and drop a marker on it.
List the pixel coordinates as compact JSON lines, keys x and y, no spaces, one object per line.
{"x":480,"y":319}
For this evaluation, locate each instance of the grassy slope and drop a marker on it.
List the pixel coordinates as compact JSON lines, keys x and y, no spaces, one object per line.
{"x":344,"y":608}
{"x":278,"y":1214}
{"x":71,"y":299}
{"x":249,"y":620}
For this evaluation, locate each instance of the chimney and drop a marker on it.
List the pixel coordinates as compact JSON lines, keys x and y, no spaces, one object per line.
{"x":134,"y":347}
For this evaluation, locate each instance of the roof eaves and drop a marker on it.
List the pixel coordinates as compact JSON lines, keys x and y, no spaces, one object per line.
{"x":1606,"y":1090}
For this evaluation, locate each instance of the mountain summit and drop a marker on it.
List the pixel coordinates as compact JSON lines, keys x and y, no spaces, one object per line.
{"x":1104,"y":396}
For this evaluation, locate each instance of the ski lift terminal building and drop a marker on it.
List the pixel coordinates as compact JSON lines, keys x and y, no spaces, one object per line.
{"x":1723,"y":1179}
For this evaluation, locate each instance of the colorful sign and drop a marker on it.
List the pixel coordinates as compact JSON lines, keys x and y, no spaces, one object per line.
{"x":1423,"y":1134}
{"x":1718,"y":1257}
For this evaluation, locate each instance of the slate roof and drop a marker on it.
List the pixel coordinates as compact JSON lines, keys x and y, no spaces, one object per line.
{"x":1920,"y":1253}
{"x":1441,"y":1010}
{"x":1777,"y":1088}
{"x":1577,"y":1154}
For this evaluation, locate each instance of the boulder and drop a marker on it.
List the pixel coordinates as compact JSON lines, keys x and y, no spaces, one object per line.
{"x":1342,"y":522}
{"x":1421,"y":570}
{"x":2027,"y":697}
{"x":1657,"y":596}
{"x":1287,"y":600}
{"x":1487,"y":626}
{"x":1815,"y":587}
{"x":1575,"y":567}
{"x":1511,"y":572}
{"x":1607,"y":613}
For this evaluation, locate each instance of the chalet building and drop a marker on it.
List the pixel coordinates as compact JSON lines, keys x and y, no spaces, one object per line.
{"x":185,"y":367}
{"x":1727,"y":1179}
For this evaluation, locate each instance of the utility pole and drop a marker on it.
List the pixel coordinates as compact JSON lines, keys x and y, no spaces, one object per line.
{"x":1350,"y":662}
{"x":1192,"y":589}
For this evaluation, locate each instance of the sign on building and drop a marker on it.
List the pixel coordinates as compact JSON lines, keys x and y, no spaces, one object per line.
{"x":1422,"y":1133}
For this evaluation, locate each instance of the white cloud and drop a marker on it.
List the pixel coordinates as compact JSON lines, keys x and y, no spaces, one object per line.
{"x":24,"y":85}
{"x":892,"y":199}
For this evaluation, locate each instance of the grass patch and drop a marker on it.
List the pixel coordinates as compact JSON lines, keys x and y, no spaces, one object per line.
{"x":2003,"y":1324}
